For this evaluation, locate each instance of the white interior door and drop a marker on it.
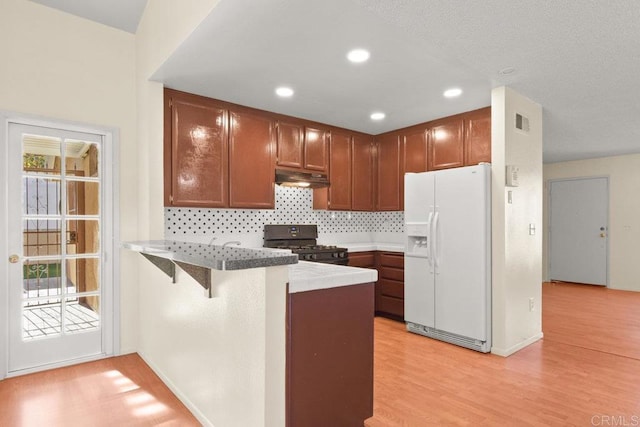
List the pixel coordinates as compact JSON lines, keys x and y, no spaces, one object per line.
{"x":57,"y":275}
{"x":578,"y":230}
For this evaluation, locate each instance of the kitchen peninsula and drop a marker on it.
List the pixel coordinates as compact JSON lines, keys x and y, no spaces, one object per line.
{"x":292,"y":341}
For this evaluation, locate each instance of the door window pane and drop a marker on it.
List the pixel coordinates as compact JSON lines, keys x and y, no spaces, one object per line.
{"x":41,"y":320}
{"x":84,"y":198}
{"x":83,"y":236}
{"x":82,"y":158}
{"x":82,"y":314}
{"x":41,"y":237}
{"x":83,"y":275}
{"x":42,"y":196}
{"x":42,"y":278}
{"x":41,"y":154}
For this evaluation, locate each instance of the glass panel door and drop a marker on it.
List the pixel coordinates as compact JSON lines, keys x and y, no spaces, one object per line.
{"x":55,"y":238}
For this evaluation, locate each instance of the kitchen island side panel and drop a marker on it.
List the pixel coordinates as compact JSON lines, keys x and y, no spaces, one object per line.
{"x":330,"y":356}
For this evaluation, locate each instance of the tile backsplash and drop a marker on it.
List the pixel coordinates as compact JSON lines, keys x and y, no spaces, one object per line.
{"x":293,"y":206}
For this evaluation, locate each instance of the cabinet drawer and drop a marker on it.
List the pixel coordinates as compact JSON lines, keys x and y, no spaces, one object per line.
{"x":392,"y":259}
{"x":391,"y":288}
{"x":390,"y":305}
{"x":362,"y":259}
{"x":392,"y":273}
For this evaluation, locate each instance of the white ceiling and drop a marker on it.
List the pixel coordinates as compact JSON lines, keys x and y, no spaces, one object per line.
{"x":579,"y":59}
{"x":122,"y":14}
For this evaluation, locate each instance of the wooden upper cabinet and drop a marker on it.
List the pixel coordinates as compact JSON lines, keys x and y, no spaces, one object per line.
{"x":415,"y":154}
{"x":340,"y":171}
{"x":290,"y":145}
{"x":362,"y":171}
{"x":315,"y":149}
{"x":251,"y":161}
{"x":446,"y":144}
{"x":415,"y":150}
{"x":478,"y":137}
{"x":389,"y":173}
{"x":195,"y":134}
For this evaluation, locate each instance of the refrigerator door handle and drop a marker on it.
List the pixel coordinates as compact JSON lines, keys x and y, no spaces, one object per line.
{"x":429,"y":251}
{"x":434,"y":238}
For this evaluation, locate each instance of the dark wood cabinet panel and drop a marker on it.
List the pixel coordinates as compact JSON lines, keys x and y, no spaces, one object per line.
{"x":362,"y":259}
{"x":290,"y":142}
{"x":315,"y":149}
{"x":195,"y":152}
{"x":391,"y":307}
{"x":362,"y":194}
{"x":392,"y":259}
{"x":251,"y":161}
{"x":389,"y":173}
{"x":393,"y":273}
{"x":330,"y":356}
{"x":446,"y":145}
{"x":340,"y":171}
{"x":478,"y":137}
{"x":415,"y":150}
{"x":391,"y":288}
{"x":390,"y":285}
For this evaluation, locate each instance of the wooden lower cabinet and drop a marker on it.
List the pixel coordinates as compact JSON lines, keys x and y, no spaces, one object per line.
{"x":362,"y":259}
{"x":390,"y":285}
{"x":330,"y":357}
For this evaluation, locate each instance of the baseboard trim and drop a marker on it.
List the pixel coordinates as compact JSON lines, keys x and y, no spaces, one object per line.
{"x":513,"y":349}
{"x":179,"y":394}
{"x":57,"y":365}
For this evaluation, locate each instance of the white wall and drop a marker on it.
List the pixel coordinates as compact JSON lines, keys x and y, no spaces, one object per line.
{"x":242,"y":389}
{"x":59,"y":66}
{"x":517,"y":255}
{"x":225,"y":356}
{"x":624,"y":212}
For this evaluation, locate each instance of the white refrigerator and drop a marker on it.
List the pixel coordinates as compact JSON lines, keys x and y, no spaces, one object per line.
{"x":448,"y":255}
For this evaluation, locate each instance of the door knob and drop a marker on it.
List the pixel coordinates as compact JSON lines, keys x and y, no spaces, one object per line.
{"x":14,"y":258}
{"x":603,"y":235}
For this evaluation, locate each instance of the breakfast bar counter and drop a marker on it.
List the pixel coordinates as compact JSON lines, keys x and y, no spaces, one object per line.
{"x":292,"y":338}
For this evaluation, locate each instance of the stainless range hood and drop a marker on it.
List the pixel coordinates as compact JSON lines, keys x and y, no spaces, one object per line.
{"x":289,"y":178}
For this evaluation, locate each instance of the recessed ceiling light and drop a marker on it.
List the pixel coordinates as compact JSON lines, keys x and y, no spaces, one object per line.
{"x":358,"y":55}
{"x":284,"y":92}
{"x":377,"y":116}
{"x":453,"y":92}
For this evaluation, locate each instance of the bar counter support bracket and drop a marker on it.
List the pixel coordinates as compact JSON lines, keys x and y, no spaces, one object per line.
{"x":163,"y":264}
{"x":201,"y":275}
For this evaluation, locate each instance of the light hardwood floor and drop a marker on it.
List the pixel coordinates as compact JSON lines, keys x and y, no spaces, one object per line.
{"x":114,"y":392}
{"x":586,"y":372}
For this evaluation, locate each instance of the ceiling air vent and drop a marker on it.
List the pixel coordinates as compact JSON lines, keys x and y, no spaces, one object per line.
{"x":522,"y":123}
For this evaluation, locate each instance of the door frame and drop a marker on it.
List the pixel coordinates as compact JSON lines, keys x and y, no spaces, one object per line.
{"x":608,"y":202}
{"x":111,"y":154}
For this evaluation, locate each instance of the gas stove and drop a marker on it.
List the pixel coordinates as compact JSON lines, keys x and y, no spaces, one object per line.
{"x":301,"y":240}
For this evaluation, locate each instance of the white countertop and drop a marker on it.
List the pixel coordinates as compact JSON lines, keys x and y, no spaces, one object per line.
{"x":309,"y":276}
{"x":369,"y":246}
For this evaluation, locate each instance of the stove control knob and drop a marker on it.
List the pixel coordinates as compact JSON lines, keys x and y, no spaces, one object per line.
{"x":342,"y":254}
{"x":335,"y":254}
{"x":313,"y":256}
